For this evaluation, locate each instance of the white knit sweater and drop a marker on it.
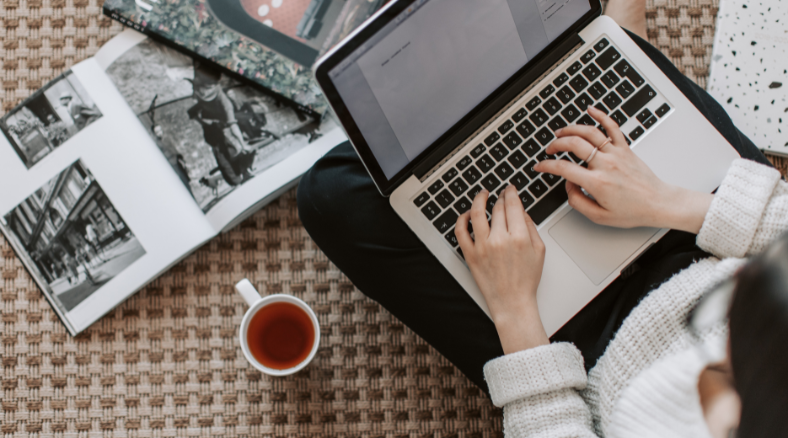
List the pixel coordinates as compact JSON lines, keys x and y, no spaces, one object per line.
{"x":645,"y":384}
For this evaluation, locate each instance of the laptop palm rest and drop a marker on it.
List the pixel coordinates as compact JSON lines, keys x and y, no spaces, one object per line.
{"x":598,"y":250}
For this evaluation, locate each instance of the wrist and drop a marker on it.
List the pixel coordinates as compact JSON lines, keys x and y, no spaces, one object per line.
{"x":520,"y":327}
{"x":684,"y":210}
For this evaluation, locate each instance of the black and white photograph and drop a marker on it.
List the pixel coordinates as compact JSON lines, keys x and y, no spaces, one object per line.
{"x":49,"y":118}
{"x":216,"y":133}
{"x":73,"y":234}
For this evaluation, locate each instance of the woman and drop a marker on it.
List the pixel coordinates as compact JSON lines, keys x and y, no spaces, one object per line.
{"x":627,"y":364}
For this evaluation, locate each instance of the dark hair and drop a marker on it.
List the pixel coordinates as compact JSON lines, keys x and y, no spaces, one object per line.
{"x":759,"y":342}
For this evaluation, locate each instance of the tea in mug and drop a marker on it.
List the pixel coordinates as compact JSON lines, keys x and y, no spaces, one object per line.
{"x":280,"y":336}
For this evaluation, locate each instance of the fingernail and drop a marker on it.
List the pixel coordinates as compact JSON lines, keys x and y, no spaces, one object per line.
{"x":559,"y":131}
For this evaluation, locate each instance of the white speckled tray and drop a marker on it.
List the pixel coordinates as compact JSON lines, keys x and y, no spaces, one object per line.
{"x":749,"y":69}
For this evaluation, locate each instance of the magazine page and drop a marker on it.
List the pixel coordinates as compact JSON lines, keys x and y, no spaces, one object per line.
{"x":88,"y":202}
{"x":272,"y":42}
{"x":229,"y":144}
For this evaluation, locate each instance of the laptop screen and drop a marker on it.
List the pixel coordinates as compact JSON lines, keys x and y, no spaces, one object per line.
{"x":434,"y":63}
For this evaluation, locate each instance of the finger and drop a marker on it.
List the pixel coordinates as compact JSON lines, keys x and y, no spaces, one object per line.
{"x":574,"y":144}
{"x":498,"y":221}
{"x":569,"y":171}
{"x":463,"y":236}
{"x":610,"y":125}
{"x":481,"y":229}
{"x":590,"y":133}
{"x":515,"y":214}
{"x":582,"y":203}
{"x":533,"y":233}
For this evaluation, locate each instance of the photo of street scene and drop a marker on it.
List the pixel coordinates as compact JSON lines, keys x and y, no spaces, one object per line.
{"x":216,"y":133}
{"x":49,"y":118}
{"x":74,"y":236}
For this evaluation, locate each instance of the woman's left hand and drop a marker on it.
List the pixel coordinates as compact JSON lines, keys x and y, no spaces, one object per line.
{"x":506,"y":260}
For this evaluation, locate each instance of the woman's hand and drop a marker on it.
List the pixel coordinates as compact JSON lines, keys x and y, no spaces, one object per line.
{"x":506,"y":260}
{"x":626,"y":193}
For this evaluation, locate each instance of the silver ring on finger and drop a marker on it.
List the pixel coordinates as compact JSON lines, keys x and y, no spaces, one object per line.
{"x":593,"y":154}
{"x":607,"y":142}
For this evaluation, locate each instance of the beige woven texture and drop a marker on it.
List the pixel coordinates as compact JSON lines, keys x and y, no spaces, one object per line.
{"x":167,"y":361}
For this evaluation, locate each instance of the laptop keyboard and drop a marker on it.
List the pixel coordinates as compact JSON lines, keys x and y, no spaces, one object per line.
{"x":599,"y":77}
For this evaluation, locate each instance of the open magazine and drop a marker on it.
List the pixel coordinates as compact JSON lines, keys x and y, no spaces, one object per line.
{"x":122,"y":166}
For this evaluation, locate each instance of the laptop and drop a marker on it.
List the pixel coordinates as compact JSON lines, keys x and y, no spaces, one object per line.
{"x":442,"y":98}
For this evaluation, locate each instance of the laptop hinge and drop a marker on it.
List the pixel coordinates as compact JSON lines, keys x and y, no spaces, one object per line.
{"x":498,"y":106}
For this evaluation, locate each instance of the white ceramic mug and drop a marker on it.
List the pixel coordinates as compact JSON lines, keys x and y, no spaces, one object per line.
{"x":257,"y":302}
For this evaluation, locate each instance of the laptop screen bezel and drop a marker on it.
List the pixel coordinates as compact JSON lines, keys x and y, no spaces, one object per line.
{"x":385,"y":185}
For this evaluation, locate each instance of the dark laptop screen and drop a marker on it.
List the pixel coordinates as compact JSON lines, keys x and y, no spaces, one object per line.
{"x":430,"y":66}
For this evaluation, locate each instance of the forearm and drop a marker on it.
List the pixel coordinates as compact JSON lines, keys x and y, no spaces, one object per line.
{"x":520,"y":328}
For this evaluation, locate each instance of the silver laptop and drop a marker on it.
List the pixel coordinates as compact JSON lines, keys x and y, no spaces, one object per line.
{"x":442,"y":98}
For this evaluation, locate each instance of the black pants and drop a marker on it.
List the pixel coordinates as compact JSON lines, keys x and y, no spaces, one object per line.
{"x":360,"y":232}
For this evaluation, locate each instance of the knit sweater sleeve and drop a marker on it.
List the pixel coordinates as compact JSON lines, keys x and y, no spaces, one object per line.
{"x":749,"y":211}
{"x":538,"y":390}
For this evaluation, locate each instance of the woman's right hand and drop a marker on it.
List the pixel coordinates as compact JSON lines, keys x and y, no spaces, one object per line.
{"x":625,"y":193}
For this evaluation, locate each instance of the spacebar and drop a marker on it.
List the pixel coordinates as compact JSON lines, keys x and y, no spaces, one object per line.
{"x":550,"y":203}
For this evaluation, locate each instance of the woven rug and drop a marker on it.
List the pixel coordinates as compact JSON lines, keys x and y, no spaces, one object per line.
{"x":167,"y":361}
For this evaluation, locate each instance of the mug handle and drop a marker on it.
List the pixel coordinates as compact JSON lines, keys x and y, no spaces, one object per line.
{"x":248,"y":292}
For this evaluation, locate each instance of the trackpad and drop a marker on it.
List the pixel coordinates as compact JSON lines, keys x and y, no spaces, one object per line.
{"x":598,"y":250}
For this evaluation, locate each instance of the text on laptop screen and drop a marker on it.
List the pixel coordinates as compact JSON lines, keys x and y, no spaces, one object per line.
{"x":429,"y":67}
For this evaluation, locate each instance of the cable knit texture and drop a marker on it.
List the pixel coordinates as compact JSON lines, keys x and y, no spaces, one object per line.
{"x":542,"y":390}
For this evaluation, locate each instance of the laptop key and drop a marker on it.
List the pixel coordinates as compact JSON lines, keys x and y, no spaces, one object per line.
{"x":542,"y":156}
{"x":463,"y":205}
{"x":499,"y":152}
{"x":636,"y":133}
{"x":586,"y":120}
{"x":638,"y":100}
{"x":519,"y":181}
{"x":570,"y":113}
{"x":644,"y":115}
{"x":504,"y":171}
{"x":458,"y":187}
{"x":506,"y":127}
{"x":662,"y":110}
{"x":566,"y":95}
{"x":512,"y":140}
{"x":533,"y":103}
{"x":531,"y":148}
{"x":552,"y":106}
{"x":538,"y":188}
{"x":450,"y":175}
{"x":492,"y":138}
{"x":583,"y":102}
{"x":478,"y":151}
{"x":550,"y":179}
{"x":485,"y":163}
{"x":452,"y":239}
{"x":490,"y":182}
{"x":610,"y":79}
{"x":544,"y":136}
{"x":561,"y":79}
{"x":491,"y":200}
{"x":597,"y":90}
{"x":519,"y":115}
{"x":431,"y":210}
{"x":549,"y":204}
{"x":588,"y":56}
{"x":465,"y":162}
{"x":517,"y":159}
{"x":444,"y":198}
{"x":538,"y":117}
{"x":446,"y":221}
{"x":608,"y":58}
{"x":556,"y":123}
{"x":591,"y":72}
{"x":530,"y":171}
{"x":421,"y":199}
{"x":601,"y":107}
{"x":626,"y":71}
{"x":526,"y":199}
{"x":547,"y":91}
{"x":619,"y":117}
{"x":472,"y":175}
{"x":650,"y":122}
{"x":526,"y":129}
{"x":574,"y":68}
{"x":435,"y":187}
{"x":601,"y":44}
{"x":578,"y":83}
{"x":625,"y":89}
{"x":475,"y":190}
